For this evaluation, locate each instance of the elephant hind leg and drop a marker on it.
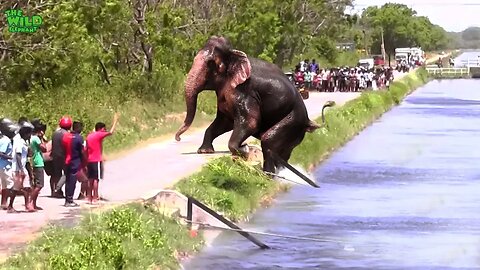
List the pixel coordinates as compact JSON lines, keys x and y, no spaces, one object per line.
{"x":282,"y":138}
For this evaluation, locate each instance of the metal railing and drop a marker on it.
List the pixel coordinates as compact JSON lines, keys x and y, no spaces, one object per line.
{"x":470,"y":62}
{"x":449,"y":71}
{"x":191,"y":201}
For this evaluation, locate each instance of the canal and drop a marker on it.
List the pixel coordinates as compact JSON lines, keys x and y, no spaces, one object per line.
{"x":403,"y":194}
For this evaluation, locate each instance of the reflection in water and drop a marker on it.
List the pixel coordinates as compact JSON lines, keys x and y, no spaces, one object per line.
{"x":404,"y":194}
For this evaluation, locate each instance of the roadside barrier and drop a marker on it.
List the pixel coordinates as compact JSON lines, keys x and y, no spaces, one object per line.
{"x":295,"y":171}
{"x":225,"y":221}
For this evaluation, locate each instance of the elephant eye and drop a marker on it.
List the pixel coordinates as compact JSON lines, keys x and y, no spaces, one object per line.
{"x":212,"y":65}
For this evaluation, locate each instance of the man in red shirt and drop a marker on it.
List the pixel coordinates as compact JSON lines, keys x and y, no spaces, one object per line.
{"x":95,"y":157}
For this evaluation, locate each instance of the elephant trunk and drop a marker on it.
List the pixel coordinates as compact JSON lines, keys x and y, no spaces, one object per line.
{"x":195,"y":80}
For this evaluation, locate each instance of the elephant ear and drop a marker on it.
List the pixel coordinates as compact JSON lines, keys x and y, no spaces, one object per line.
{"x":240,"y":68}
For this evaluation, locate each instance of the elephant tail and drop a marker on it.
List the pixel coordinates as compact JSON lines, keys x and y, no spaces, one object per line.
{"x":312,"y":126}
{"x":327,"y":104}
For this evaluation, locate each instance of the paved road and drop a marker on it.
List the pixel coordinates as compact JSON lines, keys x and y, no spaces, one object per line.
{"x":136,"y":175}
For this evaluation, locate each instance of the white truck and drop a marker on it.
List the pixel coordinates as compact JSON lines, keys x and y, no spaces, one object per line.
{"x":404,"y":53}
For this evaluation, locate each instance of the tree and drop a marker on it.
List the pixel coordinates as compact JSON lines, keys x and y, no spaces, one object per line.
{"x":107,"y":41}
{"x":402,"y":28}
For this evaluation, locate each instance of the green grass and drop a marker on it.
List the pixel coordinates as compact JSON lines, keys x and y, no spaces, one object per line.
{"x":230,"y":186}
{"x":128,"y":237}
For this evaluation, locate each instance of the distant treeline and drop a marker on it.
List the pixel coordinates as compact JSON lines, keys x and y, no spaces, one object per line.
{"x":467,"y":39}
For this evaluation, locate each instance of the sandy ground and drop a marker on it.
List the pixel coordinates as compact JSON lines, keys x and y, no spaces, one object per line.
{"x":136,"y":175}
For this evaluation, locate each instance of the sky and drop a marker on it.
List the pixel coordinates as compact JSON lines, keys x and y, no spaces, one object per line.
{"x":452,"y":15}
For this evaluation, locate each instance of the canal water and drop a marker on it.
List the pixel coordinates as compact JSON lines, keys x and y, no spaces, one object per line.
{"x":403,"y":194}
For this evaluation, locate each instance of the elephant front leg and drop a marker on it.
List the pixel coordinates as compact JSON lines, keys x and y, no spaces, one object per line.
{"x":219,"y":126}
{"x":246,"y":125}
{"x":239,"y":135}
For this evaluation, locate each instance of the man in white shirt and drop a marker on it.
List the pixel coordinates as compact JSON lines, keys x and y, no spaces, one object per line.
{"x":19,"y":163}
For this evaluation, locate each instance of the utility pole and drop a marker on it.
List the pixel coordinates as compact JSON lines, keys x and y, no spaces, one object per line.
{"x":383,"y":49}
{"x":365,"y":42}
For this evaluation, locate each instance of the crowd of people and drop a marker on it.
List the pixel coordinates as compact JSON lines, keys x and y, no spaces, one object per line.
{"x":310,"y":76}
{"x":26,"y":156}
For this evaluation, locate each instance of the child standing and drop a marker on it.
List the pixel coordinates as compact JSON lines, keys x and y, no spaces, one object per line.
{"x":95,"y":157}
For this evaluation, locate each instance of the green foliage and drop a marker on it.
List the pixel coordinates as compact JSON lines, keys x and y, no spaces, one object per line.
{"x":230,"y":186}
{"x":128,"y":237}
{"x":345,"y":122}
{"x":255,"y":28}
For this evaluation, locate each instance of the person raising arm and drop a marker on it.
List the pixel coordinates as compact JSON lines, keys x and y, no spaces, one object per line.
{"x":95,"y":157}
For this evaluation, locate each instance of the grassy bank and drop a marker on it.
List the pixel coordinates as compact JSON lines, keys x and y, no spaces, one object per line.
{"x":127,"y":237}
{"x":135,"y":237}
{"x":230,"y":186}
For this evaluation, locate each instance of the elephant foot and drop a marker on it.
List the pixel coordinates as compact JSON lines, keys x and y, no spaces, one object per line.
{"x":206,"y":150}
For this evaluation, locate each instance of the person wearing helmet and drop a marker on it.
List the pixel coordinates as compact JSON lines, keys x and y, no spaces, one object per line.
{"x":8,"y":130}
{"x":58,"y":157}
{"x":24,"y":120}
{"x":19,"y":166}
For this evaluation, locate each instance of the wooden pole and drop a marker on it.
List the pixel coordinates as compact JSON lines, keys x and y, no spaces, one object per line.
{"x":383,"y":49}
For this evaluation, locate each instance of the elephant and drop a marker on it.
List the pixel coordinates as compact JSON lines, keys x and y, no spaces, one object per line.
{"x":254,"y":98}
